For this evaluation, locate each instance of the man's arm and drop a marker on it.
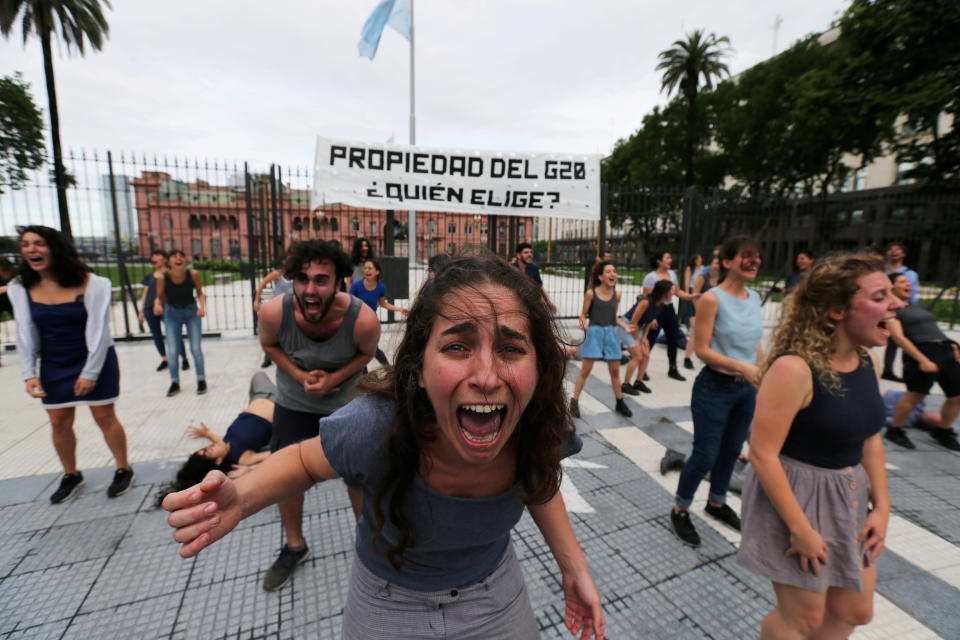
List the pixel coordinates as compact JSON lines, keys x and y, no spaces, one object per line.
{"x":366,"y":335}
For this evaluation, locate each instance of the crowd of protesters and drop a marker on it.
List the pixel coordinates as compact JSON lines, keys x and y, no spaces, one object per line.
{"x":475,"y":410}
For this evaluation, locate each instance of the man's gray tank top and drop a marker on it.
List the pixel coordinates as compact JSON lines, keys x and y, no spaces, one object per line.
{"x":307,"y":354}
{"x":603,"y":313}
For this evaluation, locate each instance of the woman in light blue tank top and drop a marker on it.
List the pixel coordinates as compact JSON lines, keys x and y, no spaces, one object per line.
{"x":727,"y":339}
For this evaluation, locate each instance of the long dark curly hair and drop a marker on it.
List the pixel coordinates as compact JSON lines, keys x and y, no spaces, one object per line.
{"x":355,"y":256}
{"x":546,"y":420}
{"x":193,"y":471}
{"x":68,"y":269}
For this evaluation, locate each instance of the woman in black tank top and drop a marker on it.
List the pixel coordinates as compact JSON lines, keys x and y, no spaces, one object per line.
{"x":928,"y":357}
{"x":816,"y":453}
{"x":176,"y":303}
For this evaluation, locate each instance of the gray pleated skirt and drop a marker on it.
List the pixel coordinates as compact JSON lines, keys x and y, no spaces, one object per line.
{"x":835,"y":503}
{"x":497,"y":607}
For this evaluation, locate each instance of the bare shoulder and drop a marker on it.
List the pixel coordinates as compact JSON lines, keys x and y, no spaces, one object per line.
{"x":271,"y":313}
{"x":789,"y":370}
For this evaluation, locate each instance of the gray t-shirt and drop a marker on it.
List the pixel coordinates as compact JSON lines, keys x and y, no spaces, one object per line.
{"x":458,"y":540}
{"x":919,"y":325}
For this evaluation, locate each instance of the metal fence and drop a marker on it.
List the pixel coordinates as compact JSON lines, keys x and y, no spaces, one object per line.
{"x":233,"y":220}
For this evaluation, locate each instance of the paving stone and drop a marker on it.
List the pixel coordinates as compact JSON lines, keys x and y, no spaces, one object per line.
{"x":50,"y":631}
{"x":122,"y":580}
{"x":229,"y":608}
{"x":75,"y":543}
{"x":151,"y":617}
{"x":26,"y":489}
{"x":242,"y":554}
{"x":29,"y":516}
{"x":40,"y":597}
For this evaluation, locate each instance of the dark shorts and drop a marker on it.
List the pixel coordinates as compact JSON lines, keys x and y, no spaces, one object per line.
{"x":291,"y":426}
{"x":941,"y":353}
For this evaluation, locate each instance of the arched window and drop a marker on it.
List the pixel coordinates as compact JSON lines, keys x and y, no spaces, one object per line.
{"x":297,"y":224}
{"x":194,"y":222}
{"x":355,"y":225}
{"x":316,"y":224}
{"x":233,"y":223}
{"x":334,"y":225}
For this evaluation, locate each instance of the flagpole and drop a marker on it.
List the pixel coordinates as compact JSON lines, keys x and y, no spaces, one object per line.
{"x":412,"y":215}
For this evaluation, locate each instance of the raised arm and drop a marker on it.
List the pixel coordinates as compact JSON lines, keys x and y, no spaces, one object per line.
{"x":582,"y":601}
{"x":787,"y":387}
{"x":392,"y":307}
{"x":267,"y":279}
{"x":206,"y":512}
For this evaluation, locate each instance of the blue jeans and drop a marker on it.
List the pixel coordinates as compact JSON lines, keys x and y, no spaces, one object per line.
{"x":155,"y":323}
{"x":173,"y":319}
{"x":722,"y":408}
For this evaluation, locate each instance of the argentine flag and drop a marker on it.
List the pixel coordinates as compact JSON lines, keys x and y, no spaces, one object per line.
{"x":396,"y":13}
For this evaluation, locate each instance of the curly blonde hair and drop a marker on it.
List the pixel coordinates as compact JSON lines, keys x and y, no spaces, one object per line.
{"x":806,"y":328}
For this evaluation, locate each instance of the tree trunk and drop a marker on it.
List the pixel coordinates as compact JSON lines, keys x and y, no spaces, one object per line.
{"x":689,"y":179}
{"x":58,"y":172}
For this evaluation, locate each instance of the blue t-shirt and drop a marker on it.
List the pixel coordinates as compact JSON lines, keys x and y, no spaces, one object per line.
{"x":370,"y":298}
{"x":458,"y":541}
{"x":150,"y":284}
{"x":533,"y":271}
{"x":738,"y":326}
{"x":914,"y":281}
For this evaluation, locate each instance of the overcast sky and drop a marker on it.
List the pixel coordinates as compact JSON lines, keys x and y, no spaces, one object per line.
{"x":258,"y":81}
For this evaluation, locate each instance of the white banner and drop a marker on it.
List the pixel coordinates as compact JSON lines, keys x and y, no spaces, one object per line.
{"x":381,"y":176}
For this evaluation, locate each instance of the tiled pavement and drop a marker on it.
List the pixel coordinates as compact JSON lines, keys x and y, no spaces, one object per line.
{"x":100,"y":568}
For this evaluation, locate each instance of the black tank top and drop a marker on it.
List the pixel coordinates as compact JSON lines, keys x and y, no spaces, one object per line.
{"x":179,"y":295}
{"x":830,"y":431}
{"x":603,"y":313}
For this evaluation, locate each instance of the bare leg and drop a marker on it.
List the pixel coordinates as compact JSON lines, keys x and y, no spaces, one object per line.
{"x":106,"y":418}
{"x":948,"y":412}
{"x":613,"y":366}
{"x":847,"y":609}
{"x":634,"y":352}
{"x":689,"y":350}
{"x":585,"y":369}
{"x":798,"y":613}
{"x":291,"y":515}
{"x":64,"y":439}
{"x":904,"y":406}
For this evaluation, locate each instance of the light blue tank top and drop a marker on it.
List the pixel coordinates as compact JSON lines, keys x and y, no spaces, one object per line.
{"x":738,"y":327}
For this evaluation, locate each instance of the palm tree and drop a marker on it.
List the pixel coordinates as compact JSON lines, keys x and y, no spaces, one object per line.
{"x":76,"y":21}
{"x":683,"y":65}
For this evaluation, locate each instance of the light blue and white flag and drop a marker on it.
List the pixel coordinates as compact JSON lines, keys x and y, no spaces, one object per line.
{"x":395,"y":13}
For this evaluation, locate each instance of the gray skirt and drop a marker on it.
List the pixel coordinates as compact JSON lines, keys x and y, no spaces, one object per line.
{"x":835,"y":503}
{"x":496,"y":607}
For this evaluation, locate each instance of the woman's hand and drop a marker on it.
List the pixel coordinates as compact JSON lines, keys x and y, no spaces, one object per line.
{"x":583,"y":325}
{"x":83,"y":386}
{"x":203,"y":431}
{"x":203,"y":513}
{"x":929,"y":366}
{"x":875,"y":532}
{"x":750,"y":373}
{"x":200,"y":311}
{"x":583,"y":614}
{"x":654,"y":325}
{"x":140,"y":317}
{"x":34,"y":390}
{"x":157,"y":309}
{"x":811,"y":548}
{"x":256,"y":305}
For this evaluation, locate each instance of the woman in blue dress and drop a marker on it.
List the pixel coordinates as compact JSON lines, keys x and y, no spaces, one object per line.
{"x":63,"y":320}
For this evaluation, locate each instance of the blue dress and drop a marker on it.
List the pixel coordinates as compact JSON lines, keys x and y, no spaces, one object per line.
{"x":63,"y":354}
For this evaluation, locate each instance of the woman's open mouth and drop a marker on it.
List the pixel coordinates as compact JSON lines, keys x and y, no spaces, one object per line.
{"x":480,"y":424}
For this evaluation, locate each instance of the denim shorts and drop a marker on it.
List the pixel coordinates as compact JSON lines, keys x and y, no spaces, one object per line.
{"x":601,"y":343}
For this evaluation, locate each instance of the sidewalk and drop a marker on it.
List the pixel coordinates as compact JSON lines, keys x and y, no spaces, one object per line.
{"x":101,"y":568}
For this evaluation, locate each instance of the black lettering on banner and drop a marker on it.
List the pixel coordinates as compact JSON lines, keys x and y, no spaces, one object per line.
{"x":458,"y":165}
{"x":535,"y":198}
{"x":526,"y":171}
{"x":393,"y":157}
{"x":337,"y":151}
{"x":395,"y":191}
{"x":372,"y":191}
{"x":436,"y":193}
{"x":497,"y":167}
{"x":415,"y":195}
{"x":419,"y":163}
{"x":356,"y":158}
{"x":519,"y":199}
{"x":579,"y":171}
{"x":554,"y":197}
{"x":455,"y":193}
{"x":434,"y":160}
{"x":513,"y":168}
{"x":375,"y":159}
{"x":476,"y":197}
{"x":493,"y":203}
{"x":475,"y":167}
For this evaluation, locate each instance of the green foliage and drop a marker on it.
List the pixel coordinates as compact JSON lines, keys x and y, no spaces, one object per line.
{"x":21,"y":132}
{"x":218,"y":265}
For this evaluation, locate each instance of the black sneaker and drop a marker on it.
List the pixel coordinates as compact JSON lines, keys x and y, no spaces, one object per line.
{"x":646,"y":378}
{"x":946,"y":438}
{"x":897,"y":435}
{"x":266,"y":362}
{"x":174,"y":389}
{"x":122,"y":480}
{"x":687,"y":363}
{"x":201,"y":387}
{"x":891,"y":376}
{"x":68,"y":486}
{"x":163,"y":365}
{"x":282,"y":568}
{"x":627,"y":389}
{"x":185,"y":365}
{"x":724,"y":514}
{"x":622,"y":408}
{"x":574,"y":408}
{"x":683,"y":528}
{"x":675,"y":374}
{"x":639,"y":386}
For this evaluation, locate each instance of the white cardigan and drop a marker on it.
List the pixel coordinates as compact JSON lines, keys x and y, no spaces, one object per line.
{"x":96,"y":299}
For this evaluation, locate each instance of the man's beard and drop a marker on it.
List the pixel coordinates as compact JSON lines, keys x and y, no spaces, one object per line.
{"x":325,"y":306}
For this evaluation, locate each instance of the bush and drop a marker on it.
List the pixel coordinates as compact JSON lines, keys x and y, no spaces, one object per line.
{"x":217,"y":264}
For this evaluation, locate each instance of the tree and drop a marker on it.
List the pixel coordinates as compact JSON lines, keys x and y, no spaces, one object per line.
{"x":76,"y":21}
{"x":21,"y":132}
{"x":682,"y":67}
{"x":909,"y":55}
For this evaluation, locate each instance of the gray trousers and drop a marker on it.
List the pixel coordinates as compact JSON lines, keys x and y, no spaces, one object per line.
{"x":497,"y":607}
